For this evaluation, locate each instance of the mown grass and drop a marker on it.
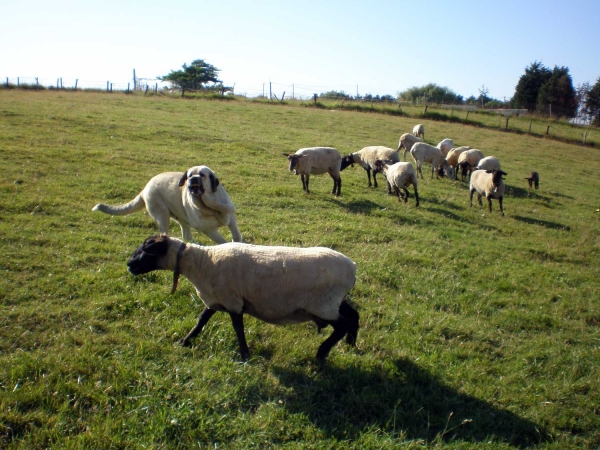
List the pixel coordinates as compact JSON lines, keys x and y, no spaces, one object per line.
{"x":477,"y":331}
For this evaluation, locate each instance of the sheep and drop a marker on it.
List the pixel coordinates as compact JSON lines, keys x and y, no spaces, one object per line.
{"x":278,"y":285}
{"x":533,"y":179}
{"x":422,"y":152}
{"x":399,"y":175}
{"x":445,"y":146}
{"x":317,"y":160}
{"x":468,"y":160}
{"x":488,"y":183}
{"x":488,"y":163}
{"x":407,"y":140}
{"x":366,"y":159}
{"x":419,"y":130}
{"x":452,"y":157}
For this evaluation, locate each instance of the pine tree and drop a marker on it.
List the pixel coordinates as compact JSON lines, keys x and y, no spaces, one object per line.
{"x":529,"y":85}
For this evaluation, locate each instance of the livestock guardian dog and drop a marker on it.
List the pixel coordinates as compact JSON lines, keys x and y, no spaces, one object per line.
{"x":195,"y":199}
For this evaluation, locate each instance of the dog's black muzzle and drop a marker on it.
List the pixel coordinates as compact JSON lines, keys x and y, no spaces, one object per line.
{"x":194,"y":185}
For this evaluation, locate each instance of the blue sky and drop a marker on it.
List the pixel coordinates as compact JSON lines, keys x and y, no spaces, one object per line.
{"x":379,"y":46}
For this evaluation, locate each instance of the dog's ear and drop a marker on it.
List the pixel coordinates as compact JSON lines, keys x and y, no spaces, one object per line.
{"x":214,"y":182}
{"x":183,"y":179}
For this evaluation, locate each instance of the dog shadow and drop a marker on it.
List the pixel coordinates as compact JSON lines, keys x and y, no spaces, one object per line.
{"x":404,"y":400}
{"x":543,"y":223}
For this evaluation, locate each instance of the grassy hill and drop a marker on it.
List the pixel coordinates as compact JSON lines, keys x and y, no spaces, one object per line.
{"x":476,"y":330}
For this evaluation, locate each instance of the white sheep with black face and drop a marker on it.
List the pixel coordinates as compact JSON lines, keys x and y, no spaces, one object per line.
{"x":194,"y":198}
{"x":316,"y":161}
{"x":468,"y":160}
{"x":366,"y":159}
{"x":489,"y":184}
{"x":399,"y":175}
{"x":419,"y":130}
{"x":278,"y":285}
{"x":407,"y":141}
{"x":425,"y":153}
{"x":452,"y":157}
{"x":445,"y":146}
{"x":488,"y":163}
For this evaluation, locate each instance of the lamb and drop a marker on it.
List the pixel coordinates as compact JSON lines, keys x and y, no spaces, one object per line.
{"x":366,"y":159}
{"x":469,"y":160}
{"x":419,"y":130}
{"x":278,"y":285}
{"x":452,"y":157}
{"x":488,"y":163}
{"x":407,"y":140}
{"x":445,"y":146}
{"x":422,"y":152}
{"x":399,"y":175}
{"x":488,"y":183}
{"x":533,"y":179}
{"x":317,"y":160}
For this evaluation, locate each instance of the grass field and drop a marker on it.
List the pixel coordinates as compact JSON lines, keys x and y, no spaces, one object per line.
{"x":477,"y":331}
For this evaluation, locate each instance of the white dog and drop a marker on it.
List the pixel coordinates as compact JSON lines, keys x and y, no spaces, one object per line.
{"x":202,"y":204}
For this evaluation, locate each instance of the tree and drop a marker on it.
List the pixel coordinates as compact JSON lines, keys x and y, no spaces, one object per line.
{"x":483,"y":95}
{"x":529,"y":85}
{"x":431,"y":92}
{"x":559,"y":92}
{"x":593,"y":103}
{"x":196,"y":76}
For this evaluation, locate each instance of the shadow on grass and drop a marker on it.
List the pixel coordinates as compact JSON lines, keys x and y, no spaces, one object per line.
{"x":462,"y":219}
{"x":358,"y":207}
{"x":403,"y":400}
{"x":543,"y":223}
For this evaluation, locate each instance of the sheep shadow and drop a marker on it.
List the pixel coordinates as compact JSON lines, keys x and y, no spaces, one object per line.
{"x":462,"y":219}
{"x":517,"y":192}
{"x":358,"y":206}
{"x":404,"y":400}
{"x":543,"y":223}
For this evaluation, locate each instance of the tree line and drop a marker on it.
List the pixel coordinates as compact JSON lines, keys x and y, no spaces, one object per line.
{"x":540,"y":89}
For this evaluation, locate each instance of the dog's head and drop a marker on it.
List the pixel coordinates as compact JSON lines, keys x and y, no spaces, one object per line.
{"x":199,"y":180}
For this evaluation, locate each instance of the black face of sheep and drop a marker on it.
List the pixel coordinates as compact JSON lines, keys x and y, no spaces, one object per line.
{"x":293,"y":159}
{"x":347,"y":161}
{"x":497,"y":176}
{"x":145,"y":258}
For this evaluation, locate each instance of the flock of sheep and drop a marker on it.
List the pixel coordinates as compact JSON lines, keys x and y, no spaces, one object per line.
{"x":276,"y":284}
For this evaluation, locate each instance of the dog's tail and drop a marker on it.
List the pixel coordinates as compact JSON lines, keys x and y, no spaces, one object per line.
{"x":134,"y":205}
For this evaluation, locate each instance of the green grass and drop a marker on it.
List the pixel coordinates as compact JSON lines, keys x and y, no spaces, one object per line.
{"x":477,"y":331}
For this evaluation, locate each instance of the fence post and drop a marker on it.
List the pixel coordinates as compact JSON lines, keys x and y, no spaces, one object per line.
{"x":315,"y":97}
{"x":156,"y":88}
{"x":425,"y":112}
{"x":111,"y":87}
{"x":530,"y":122}
{"x":107,"y":86}
{"x":6,"y":81}
{"x":548,"y":131}
{"x":76,"y":83}
{"x":18,"y":82}
{"x":146,"y":91}
{"x":270,"y":92}
{"x":127,"y":88}
{"x":584,"y":137}
{"x":506,"y":127}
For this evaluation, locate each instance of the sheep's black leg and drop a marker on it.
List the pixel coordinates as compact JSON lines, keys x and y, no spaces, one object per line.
{"x":501,"y":208}
{"x":340,"y":328}
{"x":389,"y":187}
{"x":204,"y":317}
{"x":307,"y":177}
{"x":490,"y":203}
{"x":416,"y":196}
{"x":479,"y":199}
{"x":369,"y":177}
{"x":237,"y":319}
{"x":304,"y":187}
{"x":339,"y":186}
{"x":351,"y":316}
{"x":471,"y":196}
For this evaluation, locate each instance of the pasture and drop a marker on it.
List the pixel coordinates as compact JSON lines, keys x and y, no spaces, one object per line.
{"x":477,"y":331}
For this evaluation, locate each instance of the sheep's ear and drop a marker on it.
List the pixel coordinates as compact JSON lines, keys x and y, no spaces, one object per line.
{"x":287,"y":155}
{"x":183,"y":179}
{"x":156,"y":245}
{"x":503,"y":172}
{"x":214,"y":182}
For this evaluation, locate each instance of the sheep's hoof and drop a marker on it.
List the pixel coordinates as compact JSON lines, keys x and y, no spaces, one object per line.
{"x":185,"y":343}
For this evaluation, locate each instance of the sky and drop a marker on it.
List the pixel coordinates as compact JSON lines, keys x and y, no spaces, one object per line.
{"x":373,"y":47}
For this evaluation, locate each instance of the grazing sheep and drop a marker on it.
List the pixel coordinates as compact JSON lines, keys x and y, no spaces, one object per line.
{"x":419,"y":130}
{"x":533,"y":179}
{"x":445,"y":146}
{"x":488,"y":163}
{"x":468,"y":160}
{"x":317,"y":160}
{"x":279,"y":285}
{"x":422,"y":152}
{"x":489,"y":184}
{"x":452,"y":157}
{"x":399,"y":175}
{"x":203,"y":204}
{"x":366,"y":159}
{"x":407,"y":140}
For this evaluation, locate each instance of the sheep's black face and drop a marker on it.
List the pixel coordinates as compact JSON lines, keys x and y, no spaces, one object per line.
{"x":347,"y":161}
{"x":293,"y":159}
{"x":145,"y":258}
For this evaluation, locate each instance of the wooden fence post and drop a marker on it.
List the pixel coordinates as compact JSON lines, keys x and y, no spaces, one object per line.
{"x":127,"y":92}
{"x":107,"y":86}
{"x":6,"y":81}
{"x":506,"y":127}
{"x":530,"y":122}
{"x":548,"y":131}
{"x":315,"y":97}
{"x":584,"y":137}
{"x":146,"y":91}
{"x":425,"y":112}
{"x":111,"y":87}
{"x":156,"y":88}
